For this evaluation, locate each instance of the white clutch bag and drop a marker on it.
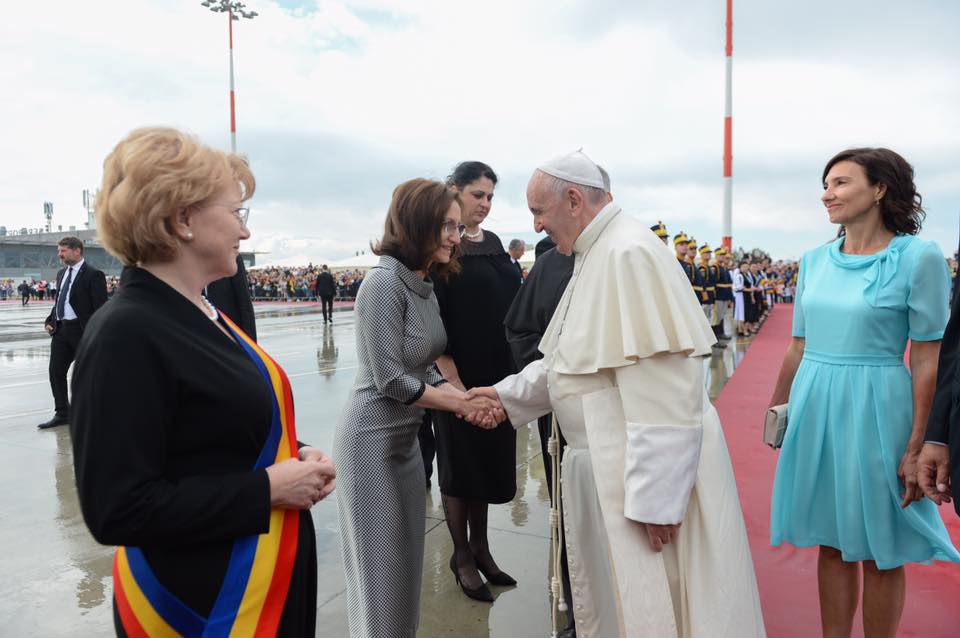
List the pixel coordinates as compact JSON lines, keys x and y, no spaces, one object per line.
{"x":775,"y":425}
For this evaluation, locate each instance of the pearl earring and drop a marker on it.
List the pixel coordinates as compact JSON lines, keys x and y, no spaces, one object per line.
{"x":189,"y":235}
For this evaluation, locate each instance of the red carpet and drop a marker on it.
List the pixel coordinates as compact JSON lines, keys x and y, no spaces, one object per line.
{"x":788,"y":576}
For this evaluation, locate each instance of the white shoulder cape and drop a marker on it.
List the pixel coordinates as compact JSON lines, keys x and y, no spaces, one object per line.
{"x":630,"y":300}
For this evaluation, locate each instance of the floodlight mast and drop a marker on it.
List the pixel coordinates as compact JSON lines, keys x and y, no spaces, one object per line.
{"x":727,"y":227}
{"x":234,"y":11}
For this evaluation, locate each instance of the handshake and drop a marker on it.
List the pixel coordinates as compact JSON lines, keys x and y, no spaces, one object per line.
{"x":481,"y":407}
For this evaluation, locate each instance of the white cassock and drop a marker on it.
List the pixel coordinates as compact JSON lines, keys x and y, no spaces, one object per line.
{"x":622,"y":371}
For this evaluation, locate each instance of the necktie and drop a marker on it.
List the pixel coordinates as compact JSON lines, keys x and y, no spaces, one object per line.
{"x":64,"y":291}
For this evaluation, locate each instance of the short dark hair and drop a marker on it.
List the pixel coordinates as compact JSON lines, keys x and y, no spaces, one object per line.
{"x":411,"y":232}
{"x":72,"y":243}
{"x":900,"y":208}
{"x":466,"y":173}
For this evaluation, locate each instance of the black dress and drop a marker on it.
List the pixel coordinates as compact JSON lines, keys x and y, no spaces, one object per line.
{"x":473,"y":463}
{"x":169,"y":417}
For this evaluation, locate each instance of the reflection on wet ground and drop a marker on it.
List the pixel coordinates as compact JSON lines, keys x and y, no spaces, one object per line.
{"x":57,"y":579}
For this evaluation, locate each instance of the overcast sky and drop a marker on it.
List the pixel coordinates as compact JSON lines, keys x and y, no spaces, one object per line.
{"x":338,"y":102}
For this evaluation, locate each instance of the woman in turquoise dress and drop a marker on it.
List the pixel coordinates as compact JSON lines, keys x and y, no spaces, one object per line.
{"x":846,"y":478}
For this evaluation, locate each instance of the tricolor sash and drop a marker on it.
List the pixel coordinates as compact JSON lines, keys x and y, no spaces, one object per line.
{"x":255,"y":586}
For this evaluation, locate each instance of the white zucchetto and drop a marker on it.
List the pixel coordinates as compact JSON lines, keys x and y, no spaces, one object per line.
{"x":576,"y":168}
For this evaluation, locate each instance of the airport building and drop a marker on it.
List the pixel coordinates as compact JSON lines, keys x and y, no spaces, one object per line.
{"x":33,"y":255}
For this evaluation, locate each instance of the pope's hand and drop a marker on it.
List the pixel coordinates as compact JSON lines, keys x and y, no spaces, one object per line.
{"x":661,"y":535}
{"x":483,"y":412}
{"x":485,"y":409}
{"x":933,"y":473}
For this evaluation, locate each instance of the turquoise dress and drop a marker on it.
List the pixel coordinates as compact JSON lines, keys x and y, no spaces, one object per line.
{"x":851,"y":404}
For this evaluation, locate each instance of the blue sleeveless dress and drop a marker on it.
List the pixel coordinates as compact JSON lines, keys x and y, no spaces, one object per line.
{"x":851,"y":404}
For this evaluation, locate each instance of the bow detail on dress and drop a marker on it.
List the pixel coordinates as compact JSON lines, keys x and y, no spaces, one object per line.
{"x":879,"y":269}
{"x":879,"y":275}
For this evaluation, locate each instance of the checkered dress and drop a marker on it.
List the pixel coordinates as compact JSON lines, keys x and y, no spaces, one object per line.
{"x":380,"y":477}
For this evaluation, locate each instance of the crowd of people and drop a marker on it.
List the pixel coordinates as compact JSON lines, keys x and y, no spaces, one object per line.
{"x":26,"y":291}
{"x":299,"y":283}
{"x":206,"y":494}
{"x":40,"y":289}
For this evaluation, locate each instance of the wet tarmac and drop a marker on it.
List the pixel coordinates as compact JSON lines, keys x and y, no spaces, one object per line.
{"x":56,"y":578}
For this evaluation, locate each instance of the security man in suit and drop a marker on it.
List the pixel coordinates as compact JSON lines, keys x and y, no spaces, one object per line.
{"x":939,"y":462}
{"x":83,"y":289}
{"x":326,"y":291}
{"x":516,"y":249}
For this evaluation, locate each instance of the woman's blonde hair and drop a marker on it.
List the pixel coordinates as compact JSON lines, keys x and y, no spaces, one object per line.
{"x":148,"y":178}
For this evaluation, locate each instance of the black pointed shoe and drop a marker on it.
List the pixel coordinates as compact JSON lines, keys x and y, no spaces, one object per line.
{"x":481,"y":593}
{"x":501,"y":578}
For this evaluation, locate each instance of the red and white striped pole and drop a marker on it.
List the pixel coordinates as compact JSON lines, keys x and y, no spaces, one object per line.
{"x":728,"y":139}
{"x":233,"y":113}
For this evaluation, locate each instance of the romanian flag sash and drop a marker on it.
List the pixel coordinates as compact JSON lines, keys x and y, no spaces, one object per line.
{"x":255,"y":586}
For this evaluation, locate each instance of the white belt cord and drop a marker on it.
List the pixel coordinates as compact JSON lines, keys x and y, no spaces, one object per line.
{"x":559,"y":602}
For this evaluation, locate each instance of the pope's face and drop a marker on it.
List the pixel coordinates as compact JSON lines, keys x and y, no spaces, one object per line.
{"x":552,"y":213}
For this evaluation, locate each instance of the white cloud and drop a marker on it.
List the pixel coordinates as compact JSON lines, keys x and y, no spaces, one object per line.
{"x":339,"y":101}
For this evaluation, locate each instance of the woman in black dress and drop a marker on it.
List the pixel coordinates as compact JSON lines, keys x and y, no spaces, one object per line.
{"x":184,"y":448}
{"x":476,"y":467}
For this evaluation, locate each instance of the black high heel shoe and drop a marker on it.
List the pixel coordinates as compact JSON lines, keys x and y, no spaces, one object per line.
{"x":501,"y":578}
{"x":481,"y":593}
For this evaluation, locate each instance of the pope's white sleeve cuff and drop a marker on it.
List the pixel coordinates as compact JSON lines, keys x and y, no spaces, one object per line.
{"x":524,"y":395}
{"x":661,"y":466}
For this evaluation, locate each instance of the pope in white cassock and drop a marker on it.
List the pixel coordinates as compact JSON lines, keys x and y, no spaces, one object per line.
{"x":652,"y":522}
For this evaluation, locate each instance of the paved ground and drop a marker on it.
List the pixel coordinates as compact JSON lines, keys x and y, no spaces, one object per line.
{"x":56,"y":580}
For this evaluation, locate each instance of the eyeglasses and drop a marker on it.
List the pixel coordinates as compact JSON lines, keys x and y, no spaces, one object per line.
{"x":451,"y":227}
{"x":242,"y":213}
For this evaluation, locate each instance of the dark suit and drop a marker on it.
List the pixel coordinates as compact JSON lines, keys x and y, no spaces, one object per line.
{"x":231,"y":295}
{"x":326,"y":290}
{"x":519,"y":268}
{"x":944,"y":423}
{"x":87,"y":293}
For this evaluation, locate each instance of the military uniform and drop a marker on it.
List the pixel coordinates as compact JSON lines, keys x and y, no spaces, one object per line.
{"x":685,"y":264}
{"x":708,"y":275}
{"x":660,"y":231}
{"x":724,"y":294}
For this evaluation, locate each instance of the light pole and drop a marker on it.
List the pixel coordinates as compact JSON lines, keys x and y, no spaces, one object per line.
{"x":234,"y":11}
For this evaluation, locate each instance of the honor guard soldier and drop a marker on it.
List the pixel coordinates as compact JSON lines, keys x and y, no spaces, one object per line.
{"x":680,"y":242}
{"x":708,"y":275}
{"x":696,"y":279}
{"x":660,"y":231}
{"x":724,"y":290}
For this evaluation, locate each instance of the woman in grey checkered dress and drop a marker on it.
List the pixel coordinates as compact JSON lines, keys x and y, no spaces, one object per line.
{"x":380,"y":474}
